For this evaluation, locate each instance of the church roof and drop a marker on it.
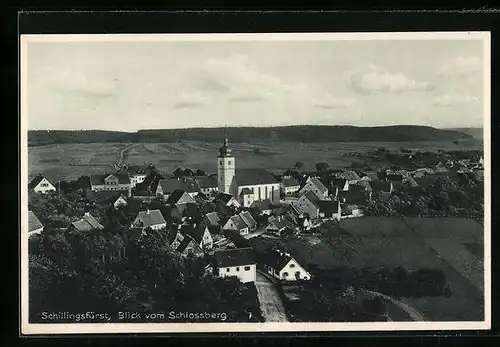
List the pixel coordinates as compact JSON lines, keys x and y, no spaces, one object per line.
{"x":250,"y":177}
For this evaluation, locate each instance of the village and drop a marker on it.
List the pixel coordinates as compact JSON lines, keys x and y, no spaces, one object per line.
{"x":224,"y":219}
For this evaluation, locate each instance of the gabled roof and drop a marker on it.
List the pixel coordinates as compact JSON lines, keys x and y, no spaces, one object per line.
{"x":123,"y":178}
{"x":33,"y":222}
{"x":185,"y":243}
{"x":35,"y":181}
{"x":261,"y":205}
{"x":223,"y":197}
{"x":234,"y":257}
{"x":353,"y":197}
{"x":338,"y":182}
{"x":282,"y":222}
{"x":248,"y":219}
{"x":350,"y":175}
{"x":104,"y":197}
{"x":250,"y":177}
{"x":290,"y":182}
{"x":246,"y":191}
{"x":168,"y":185}
{"x":87,"y":223}
{"x":312,"y":197}
{"x":213,"y":218}
{"x":239,"y":222}
{"x":276,"y":259}
{"x":317,"y":183}
{"x":206,"y":181}
{"x":176,"y":195}
{"x":196,"y":232}
{"x":150,"y":218}
{"x":328,"y":206}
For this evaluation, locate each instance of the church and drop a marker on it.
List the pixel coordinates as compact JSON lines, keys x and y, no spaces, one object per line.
{"x":246,"y":185}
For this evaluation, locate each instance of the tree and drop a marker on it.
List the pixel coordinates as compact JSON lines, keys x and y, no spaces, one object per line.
{"x":322,"y":167}
{"x":200,"y":173}
{"x":298,"y":165}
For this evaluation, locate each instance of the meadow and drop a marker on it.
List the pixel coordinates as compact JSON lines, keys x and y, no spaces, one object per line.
{"x":70,"y":161}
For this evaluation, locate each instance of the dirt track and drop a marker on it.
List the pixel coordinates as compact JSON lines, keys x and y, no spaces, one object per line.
{"x":271,"y":304}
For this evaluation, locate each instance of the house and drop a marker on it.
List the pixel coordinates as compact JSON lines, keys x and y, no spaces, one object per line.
{"x":307,"y":204}
{"x":188,"y":246}
{"x":207,"y":184}
{"x":40,"y":184}
{"x":363,"y":185}
{"x":289,"y":185}
{"x":111,"y":182}
{"x":283,"y":266}
{"x":249,"y":220}
{"x":242,"y":223}
{"x":179,"y":197}
{"x":199,"y":233}
{"x":381,"y":186}
{"x":150,"y":219}
{"x":165,"y":187}
{"x":338,"y":184}
{"x":329,"y":209}
{"x":314,"y":185}
{"x":238,"y":262}
{"x":34,"y":224}
{"x":105,"y":198}
{"x":280,"y":224}
{"x":351,"y":176}
{"x":136,"y":173}
{"x":353,"y":197}
{"x":86,"y":223}
{"x":262,"y":207}
{"x":227,"y":200}
{"x":213,"y":222}
{"x":246,"y":197}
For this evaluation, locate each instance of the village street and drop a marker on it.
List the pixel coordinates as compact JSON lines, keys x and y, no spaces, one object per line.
{"x":271,"y":304}
{"x":410,"y":311}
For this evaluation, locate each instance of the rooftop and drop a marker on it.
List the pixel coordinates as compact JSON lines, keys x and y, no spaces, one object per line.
{"x":235,"y":257}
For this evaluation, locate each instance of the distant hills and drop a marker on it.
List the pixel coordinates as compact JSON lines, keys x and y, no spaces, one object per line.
{"x":299,"y":133}
{"x":477,"y":133}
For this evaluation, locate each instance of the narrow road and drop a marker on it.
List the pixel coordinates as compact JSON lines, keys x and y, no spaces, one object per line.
{"x":121,"y":156}
{"x":414,"y":314}
{"x":271,"y":305}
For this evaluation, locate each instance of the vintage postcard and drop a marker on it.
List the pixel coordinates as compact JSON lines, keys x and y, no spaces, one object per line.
{"x":255,"y":182}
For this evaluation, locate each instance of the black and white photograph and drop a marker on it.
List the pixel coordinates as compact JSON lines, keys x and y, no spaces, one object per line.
{"x":255,"y":182}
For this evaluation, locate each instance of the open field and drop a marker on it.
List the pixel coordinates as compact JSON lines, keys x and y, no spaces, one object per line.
{"x":414,"y":243}
{"x":69,"y":161}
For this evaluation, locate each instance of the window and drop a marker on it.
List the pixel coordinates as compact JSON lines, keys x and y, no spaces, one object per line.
{"x":237,"y":268}
{"x":285,"y":274}
{"x":247,"y":268}
{"x":266,"y":192}
{"x":227,"y":270}
{"x":229,"y":162}
{"x":292,"y":266}
{"x":220,"y":162}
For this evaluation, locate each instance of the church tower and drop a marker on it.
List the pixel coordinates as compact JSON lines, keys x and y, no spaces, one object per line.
{"x":226,"y":168}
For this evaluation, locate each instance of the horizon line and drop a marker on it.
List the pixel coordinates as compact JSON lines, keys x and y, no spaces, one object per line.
{"x":269,"y":126}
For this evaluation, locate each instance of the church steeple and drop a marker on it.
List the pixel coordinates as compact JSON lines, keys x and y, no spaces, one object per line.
{"x":224,"y":150}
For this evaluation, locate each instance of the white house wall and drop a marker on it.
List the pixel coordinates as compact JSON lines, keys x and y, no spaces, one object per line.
{"x":243,"y":275}
{"x":288,"y":273}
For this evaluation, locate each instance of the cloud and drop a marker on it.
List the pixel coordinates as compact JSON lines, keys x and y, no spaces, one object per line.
{"x":461,"y":66}
{"x":238,"y":80}
{"x":189,"y":100}
{"x":378,"y":81}
{"x":78,"y":83}
{"x":450,"y":100}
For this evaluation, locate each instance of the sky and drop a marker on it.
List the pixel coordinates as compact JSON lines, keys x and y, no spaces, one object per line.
{"x":127,"y":86}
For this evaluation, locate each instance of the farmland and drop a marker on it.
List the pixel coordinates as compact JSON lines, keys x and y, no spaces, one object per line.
{"x":69,"y":161}
{"x":413,"y":243}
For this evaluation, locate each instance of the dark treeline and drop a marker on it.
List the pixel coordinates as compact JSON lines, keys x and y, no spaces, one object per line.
{"x":299,"y":133}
